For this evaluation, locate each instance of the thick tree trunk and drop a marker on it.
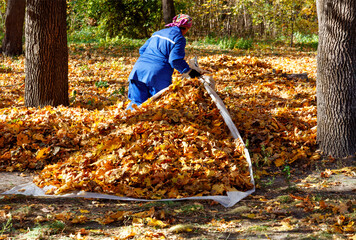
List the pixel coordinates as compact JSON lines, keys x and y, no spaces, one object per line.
{"x":14,"y":22}
{"x":336,"y":79}
{"x":46,"y":53}
{"x":168,"y":11}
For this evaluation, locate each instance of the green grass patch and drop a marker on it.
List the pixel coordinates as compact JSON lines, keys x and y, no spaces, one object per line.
{"x":101,"y":84}
{"x":97,"y":36}
{"x":306,"y":42}
{"x":43,"y":231}
{"x":6,"y":227}
{"x":85,"y":35}
{"x":258,"y":228}
{"x":285,"y":199}
{"x":161,"y":204}
{"x":226,"y":43}
{"x":5,"y":69}
{"x":190,"y":208}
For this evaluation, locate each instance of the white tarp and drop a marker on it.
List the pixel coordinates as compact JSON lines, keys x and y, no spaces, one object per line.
{"x":228,"y":201}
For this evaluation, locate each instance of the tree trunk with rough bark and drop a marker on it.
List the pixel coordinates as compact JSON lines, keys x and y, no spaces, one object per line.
{"x":46,"y":54}
{"x":14,"y":22}
{"x":336,"y":77}
{"x":168,"y":11}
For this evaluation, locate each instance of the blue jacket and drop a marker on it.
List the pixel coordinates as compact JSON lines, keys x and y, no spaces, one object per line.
{"x":160,"y":54}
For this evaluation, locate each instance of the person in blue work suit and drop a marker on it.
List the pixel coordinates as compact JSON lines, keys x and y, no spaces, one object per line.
{"x":159,"y":56}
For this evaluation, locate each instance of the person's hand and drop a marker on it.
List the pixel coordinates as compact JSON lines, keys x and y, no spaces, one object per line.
{"x":194,"y":73}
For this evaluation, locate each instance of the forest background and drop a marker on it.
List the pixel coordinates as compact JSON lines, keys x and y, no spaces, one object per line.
{"x":226,"y":23}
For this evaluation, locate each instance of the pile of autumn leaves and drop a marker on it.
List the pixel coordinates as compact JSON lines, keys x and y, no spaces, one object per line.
{"x":176,"y":146}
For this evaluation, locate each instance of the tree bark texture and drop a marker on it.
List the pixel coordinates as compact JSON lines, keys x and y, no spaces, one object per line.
{"x":14,"y":22}
{"x":336,"y":77}
{"x":168,"y":11}
{"x":46,"y":54}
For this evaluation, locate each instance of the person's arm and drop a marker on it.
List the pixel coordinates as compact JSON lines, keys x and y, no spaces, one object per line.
{"x":176,"y":56}
{"x":181,"y":65}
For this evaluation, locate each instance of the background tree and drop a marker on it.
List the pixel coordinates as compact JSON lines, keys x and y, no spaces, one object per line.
{"x":112,"y":18}
{"x":144,"y":17}
{"x":336,"y":79}
{"x":46,"y":80}
{"x":168,"y":11}
{"x":14,"y":22}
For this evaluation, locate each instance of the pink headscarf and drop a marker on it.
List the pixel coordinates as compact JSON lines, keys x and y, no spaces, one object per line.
{"x":181,"y":20}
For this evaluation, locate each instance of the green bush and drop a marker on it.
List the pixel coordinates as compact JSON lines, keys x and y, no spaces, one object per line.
{"x":128,"y":18}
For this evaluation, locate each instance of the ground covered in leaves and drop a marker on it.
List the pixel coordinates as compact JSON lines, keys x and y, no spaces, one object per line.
{"x":318,"y":205}
{"x":274,"y":111}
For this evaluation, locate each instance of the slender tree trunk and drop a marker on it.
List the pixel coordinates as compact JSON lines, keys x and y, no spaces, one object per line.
{"x":292,"y":33}
{"x":336,"y":79}
{"x":46,"y":53}
{"x":168,"y":11}
{"x":14,"y":22}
